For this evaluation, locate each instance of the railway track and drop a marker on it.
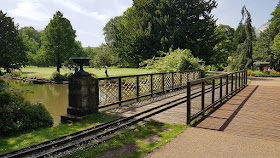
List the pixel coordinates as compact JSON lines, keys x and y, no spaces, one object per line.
{"x":95,"y":135}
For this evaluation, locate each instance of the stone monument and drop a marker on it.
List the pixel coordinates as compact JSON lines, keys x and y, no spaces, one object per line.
{"x":83,"y":93}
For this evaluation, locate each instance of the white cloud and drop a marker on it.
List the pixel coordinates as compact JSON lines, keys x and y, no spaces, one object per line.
{"x":30,"y":9}
{"x":81,"y":10}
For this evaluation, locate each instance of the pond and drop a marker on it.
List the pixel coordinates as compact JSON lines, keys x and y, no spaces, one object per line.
{"x":53,"y":96}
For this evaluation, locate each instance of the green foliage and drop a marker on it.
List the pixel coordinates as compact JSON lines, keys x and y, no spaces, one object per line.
{"x":267,"y":45}
{"x":272,"y":73}
{"x":103,"y":56}
{"x":17,"y":115}
{"x":58,"y":40}
{"x":12,"y":54}
{"x":32,"y":42}
{"x":177,"y":60}
{"x":226,"y":45}
{"x":14,"y":74}
{"x":244,"y":35}
{"x":79,"y":51}
{"x":57,"y":77}
{"x":152,"y":26}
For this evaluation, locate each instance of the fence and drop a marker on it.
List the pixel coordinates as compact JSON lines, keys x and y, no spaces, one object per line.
{"x":212,"y":93}
{"x":125,"y":89}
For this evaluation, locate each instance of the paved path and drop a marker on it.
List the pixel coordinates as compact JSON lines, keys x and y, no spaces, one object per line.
{"x":248,"y":125}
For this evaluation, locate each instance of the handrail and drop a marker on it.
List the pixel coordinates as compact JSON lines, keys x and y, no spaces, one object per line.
{"x":115,"y":77}
{"x":237,"y":83}
{"x":124,"y":89}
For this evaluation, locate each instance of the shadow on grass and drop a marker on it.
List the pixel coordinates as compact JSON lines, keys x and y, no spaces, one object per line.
{"x":133,"y":140}
{"x":20,"y":140}
{"x":27,"y":73}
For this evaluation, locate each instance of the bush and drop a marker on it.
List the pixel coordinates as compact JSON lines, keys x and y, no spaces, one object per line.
{"x":177,"y":60}
{"x":17,"y":115}
{"x":67,"y":76}
{"x":272,"y":73}
{"x":57,"y":77}
{"x":14,"y":74}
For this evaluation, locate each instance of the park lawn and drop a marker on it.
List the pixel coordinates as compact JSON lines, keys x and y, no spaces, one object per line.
{"x":46,"y":72}
{"x":21,"y":140}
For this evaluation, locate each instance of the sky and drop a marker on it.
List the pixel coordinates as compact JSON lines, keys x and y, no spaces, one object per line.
{"x":88,"y":17}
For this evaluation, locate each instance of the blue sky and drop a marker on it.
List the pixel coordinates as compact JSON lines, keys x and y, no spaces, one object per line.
{"x":88,"y":17}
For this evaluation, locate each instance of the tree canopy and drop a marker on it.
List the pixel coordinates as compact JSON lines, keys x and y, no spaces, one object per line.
{"x":12,"y":49}
{"x":267,"y":45}
{"x":244,"y":39}
{"x":151,"y":26}
{"x":58,"y":40}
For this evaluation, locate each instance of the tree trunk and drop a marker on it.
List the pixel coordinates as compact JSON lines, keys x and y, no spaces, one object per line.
{"x":57,"y":68}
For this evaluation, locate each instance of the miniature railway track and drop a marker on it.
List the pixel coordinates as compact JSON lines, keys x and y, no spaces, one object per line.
{"x":96,"y":134}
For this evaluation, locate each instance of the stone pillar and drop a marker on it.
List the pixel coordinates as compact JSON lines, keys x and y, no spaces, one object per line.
{"x":83,"y":97}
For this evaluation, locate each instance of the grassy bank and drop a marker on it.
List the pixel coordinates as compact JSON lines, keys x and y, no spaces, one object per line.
{"x":131,"y":143}
{"x":135,"y":143}
{"x":18,"y":141}
{"x":46,"y":72}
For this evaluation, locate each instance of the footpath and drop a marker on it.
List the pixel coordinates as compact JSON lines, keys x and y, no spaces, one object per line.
{"x":246,"y":126}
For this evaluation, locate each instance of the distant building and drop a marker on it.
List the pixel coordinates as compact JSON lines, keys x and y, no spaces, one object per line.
{"x":262,"y":28}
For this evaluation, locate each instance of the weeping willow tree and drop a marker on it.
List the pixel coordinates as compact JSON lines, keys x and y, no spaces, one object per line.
{"x":245,"y":48}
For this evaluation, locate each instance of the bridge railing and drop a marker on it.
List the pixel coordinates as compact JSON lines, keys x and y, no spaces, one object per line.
{"x":215,"y":90}
{"x":116,"y":91}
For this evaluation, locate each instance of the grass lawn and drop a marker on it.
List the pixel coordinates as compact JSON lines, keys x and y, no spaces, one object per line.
{"x":18,"y":141}
{"x":46,"y":72}
{"x":134,"y":144}
{"x":140,"y":137}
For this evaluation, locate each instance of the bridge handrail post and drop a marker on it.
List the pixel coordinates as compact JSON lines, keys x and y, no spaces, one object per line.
{"x":213,"y":91}
{"x":221,"y":90}
{"x":137,"y":87}
{"x":151,"y":79}
{"x":239,"y":80}
{"x":162,"y":82}
{"x":203,"y":96}
{"x":227,"y":85}
{"x":235,"y":81}
{"x":120,"y":90}
{"x":188,"y":102}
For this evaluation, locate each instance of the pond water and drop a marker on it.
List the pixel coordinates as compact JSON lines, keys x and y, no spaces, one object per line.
{"x":53,"y":96}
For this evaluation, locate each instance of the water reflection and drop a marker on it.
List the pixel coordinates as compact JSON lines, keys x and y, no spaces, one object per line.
{"x":53,"y":96}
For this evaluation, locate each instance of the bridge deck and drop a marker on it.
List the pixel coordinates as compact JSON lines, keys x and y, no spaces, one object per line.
{"x":174,"y":115}
{"x":254,"y":112}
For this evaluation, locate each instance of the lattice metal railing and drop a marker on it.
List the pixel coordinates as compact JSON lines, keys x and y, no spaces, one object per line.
{"x":128,"y":89}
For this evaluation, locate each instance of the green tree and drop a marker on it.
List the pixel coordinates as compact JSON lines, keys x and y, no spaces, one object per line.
{"x":79,"y":51}
{"x":12,"y":49}
{"x":226,"y":45}
{"x":245,"y":40}
{"x":103,"y":56}
{"x":151,"y":26}
{"x":31,"y":33}
{"x":32,"y":41}
{"x":58,"y":40}
{"x":266,"y":45}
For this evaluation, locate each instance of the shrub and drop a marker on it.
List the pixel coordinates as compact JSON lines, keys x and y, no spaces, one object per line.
{"x":14,"y":74}
{"x":67,"y":76}
{"x":57,"y":77}
{"x":177,"y":60}
{"x":17,"y":115}
{"x":250,"y":73}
